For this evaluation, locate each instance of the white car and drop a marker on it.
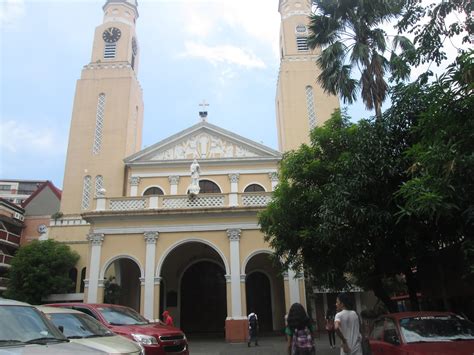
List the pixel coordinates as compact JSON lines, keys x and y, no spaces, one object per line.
{"x":81,"y":328}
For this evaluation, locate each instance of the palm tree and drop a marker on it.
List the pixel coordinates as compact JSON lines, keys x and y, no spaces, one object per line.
{"x":349,"y":33}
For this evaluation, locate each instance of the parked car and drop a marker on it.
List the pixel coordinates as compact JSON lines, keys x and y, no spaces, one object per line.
{"x":81,"y":328}
{"x":25,"y":330}
{"x":422,"y":333}
{"x":156,"y":338}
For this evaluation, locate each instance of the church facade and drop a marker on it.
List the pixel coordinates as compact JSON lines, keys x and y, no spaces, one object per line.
{"x":175,"y":225}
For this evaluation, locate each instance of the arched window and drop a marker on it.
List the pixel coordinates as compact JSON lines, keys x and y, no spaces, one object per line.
{"x":310,"y":106}
{"x":254,"y":188}
{"x":99,"y":184}
{"x":208,"y":187}
{"x":153,"y":191}
{"x":86,"y":192}
{"x":99,"y":124}
{"x":83,"y":277}
{"x":73,"y":277}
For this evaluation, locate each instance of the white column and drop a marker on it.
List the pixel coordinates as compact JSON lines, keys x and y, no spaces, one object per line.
{"x":234,"y":189}
{"x":134,"y":181}
{"x":234,"y":240}
{"x":293,"y":283}
{"x":174,"y":180}
{"x":274,"y":179}
{"x":96,"y":240}
{"x":150,"y":240}
{"x":100,"y":201}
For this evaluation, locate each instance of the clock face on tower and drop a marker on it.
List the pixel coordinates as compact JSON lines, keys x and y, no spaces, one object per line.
{"x":111,"y":34}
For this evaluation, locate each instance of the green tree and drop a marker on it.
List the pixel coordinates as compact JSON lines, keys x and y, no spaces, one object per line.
{"x":333,"y":211}
{"x":349,"y":33}
{"x":39,"y":269}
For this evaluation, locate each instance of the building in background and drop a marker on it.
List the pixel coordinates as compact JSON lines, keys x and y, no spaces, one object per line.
{"x":17,"y":191}
{"x":11,"y":226}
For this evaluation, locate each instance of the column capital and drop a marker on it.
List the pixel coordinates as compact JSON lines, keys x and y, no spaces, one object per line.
{"x":173,"y":179}
{"x":234,"y":234}
{"x":157,"y":280}
{"x":227,"y":278}
{"x":142,"y":281}
{"x":273,"y":176}
{"x":242,"y":277}
{"x":134,"y":180}
{"x":234,"y":178}
{"x":151,"y":237}
{"x":96,"y":238}
{"x":86,"y":283}
{"x":101,"y":283}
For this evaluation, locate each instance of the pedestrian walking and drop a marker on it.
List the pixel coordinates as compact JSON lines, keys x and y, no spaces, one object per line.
{"x":331,"y":312}
{"x":299,"y":331}
{"x":346,"y":324}
{"x":167,"y":319}
{"x":253,"y":328}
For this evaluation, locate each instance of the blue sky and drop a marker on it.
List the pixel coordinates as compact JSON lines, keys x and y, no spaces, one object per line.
{"x":223,"y":51}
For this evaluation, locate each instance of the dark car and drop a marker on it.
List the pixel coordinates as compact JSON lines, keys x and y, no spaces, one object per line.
{"x":422,"y":333}
{"x":156,"y":338}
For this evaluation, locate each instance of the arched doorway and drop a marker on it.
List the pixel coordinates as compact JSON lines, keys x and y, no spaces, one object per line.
{"x":203,"y":299}
{"x":125,"y":273}
{"x":259,"y":297}
{"x":265,"y":291}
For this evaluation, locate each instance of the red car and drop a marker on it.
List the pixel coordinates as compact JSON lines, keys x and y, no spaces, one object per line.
{"x":157,"y":339}
{"x":422,"y":333}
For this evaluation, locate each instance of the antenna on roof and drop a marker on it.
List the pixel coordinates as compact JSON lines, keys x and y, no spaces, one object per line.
{"x":203,"y":110}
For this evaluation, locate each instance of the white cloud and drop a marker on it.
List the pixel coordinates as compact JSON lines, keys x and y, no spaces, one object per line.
{"x":11,"y":11}
{"x":223,"y":54}
{"x":20,"y":138}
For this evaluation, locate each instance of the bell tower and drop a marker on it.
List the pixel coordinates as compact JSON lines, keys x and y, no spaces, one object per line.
{"x":300,"y":103}
{"x":107,"y":116}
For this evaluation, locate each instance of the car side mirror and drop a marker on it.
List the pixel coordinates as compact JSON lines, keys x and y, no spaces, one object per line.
{"x":61,"y":328}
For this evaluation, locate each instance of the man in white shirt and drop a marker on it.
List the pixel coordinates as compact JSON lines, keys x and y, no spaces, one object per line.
{"x":346,"y":324}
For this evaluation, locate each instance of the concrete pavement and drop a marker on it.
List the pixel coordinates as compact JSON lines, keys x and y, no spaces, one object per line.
{"x":272,"y":345}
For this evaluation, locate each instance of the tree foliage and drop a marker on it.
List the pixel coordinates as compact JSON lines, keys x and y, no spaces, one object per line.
{"x":39,"y":269}
{"x":349,"y":33}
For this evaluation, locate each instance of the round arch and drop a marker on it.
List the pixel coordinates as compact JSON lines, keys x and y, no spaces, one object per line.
{"x":255,"y":183}
{"x":117,"y":257}
{"x":151,"y":186}
{"x":206,"y":179}
{"x":186,"y":241}
{"x":250,"y":256}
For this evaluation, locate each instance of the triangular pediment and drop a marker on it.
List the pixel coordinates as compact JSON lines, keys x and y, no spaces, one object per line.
{"x":203,"y":141}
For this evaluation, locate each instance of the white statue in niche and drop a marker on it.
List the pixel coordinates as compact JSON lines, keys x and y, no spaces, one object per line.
{"x":193,"y":188}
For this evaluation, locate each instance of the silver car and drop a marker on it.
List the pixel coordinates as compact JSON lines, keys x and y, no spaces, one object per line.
{"x":25,"y":330}
{"x":81,"y":328}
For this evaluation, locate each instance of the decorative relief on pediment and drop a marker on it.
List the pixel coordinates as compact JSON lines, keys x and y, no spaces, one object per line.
{"x":204,"y":146}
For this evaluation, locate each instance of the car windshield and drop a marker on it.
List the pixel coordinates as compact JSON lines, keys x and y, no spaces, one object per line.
{"x":23,"y":324}
{"x":79,"y":325}
{"x":436,"y":328}
{"x":122,"y":316}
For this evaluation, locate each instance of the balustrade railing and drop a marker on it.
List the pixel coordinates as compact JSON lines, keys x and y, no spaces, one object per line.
{"x":9,"y":237}
{"x":5,"y":259}
{"x":167,"y":202}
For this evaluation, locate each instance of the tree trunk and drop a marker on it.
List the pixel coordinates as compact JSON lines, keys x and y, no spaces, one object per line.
{"x":378,"y":110}
{"x":382,"y":295}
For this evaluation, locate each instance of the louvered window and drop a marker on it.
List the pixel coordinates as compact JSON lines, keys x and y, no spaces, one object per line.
{"x":110,"y":50}
{"x":99,"y":124}
{"x":310,"y":107}
{"x":302,"y":43}
{"x":86,"y":192}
